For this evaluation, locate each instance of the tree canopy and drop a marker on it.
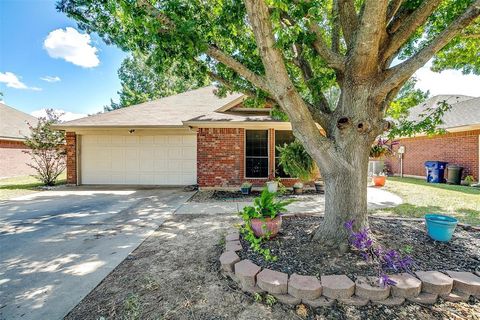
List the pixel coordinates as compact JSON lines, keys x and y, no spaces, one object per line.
{"x":140,"y":82}
{"x":293,"y":53}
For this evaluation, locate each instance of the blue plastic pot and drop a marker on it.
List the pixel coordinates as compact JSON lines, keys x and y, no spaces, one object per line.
{"x":440,"y":227}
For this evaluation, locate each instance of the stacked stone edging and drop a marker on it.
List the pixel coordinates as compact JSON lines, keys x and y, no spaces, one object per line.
{"x":424,"y":288}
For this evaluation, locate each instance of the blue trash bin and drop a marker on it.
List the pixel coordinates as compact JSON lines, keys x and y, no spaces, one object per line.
{"x":435,"y":171}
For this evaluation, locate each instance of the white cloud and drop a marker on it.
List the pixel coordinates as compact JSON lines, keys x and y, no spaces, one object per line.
{"x":71,"y":46}
{"x":50,"y":78}
{"x":65,"y":115}
{"x":13,"y":81}
{"x":447,"y":82}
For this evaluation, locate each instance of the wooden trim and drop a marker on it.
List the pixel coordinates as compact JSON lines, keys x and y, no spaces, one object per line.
{"x":231,"y":104}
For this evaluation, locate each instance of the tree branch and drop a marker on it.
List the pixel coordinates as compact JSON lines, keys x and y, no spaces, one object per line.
{"x":404,"y":70}
{"x":364,"y":55}
{"x":348,"y":19}
{"x":333,"y":59}
{"x":255,"y":79}
{"x":321,"y":148}
{"x":393,"y":7}
{"x":335,"y":28}
{"x":408,"y":27}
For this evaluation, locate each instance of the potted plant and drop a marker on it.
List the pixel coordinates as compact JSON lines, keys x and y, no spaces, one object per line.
{"x":298,"y":188}
{"x":246,"y":188}
{"x":272,"y":185}
{"x":440,"y":227}
{"x":319,"y":186}
{"x":296,"y":162}
{"x":379,"y":179}
{"x":264,"y":216}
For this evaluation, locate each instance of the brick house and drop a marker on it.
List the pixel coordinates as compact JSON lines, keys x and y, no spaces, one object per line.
{"x":13,"y":129}
{"x":190,"y":138}
{"x":459,"y":145}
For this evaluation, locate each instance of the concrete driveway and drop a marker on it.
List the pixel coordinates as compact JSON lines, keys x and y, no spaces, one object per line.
{"x":56,"y":246}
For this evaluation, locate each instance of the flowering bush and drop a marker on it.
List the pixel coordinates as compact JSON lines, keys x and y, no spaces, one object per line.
{"x":385,"y":260}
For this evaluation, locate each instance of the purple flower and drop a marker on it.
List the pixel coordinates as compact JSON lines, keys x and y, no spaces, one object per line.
{"x":385,"y":280}
{"x":349,"y":224}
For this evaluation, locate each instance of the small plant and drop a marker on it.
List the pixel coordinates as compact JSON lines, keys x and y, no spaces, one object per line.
{"x":265,"y":206}
{"x":469,"y":180}
{"x":296,"y":161}
{"x":382,"y":148}
{"x":257,"y":297}
{"x":46,"y":148}
{"x":132,"y":307}
{"x":270,"y":300}
{"x":385,"y":260}
{"x":246,"y":184}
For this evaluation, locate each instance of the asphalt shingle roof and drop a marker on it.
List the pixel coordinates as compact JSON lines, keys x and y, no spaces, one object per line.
{"x":199,"y":104}
{"x":464,"y":111}
{"x":13,"y":123}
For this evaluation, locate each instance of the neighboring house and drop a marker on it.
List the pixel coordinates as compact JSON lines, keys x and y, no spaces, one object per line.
{"x":190,"y":138}
{"x":13,"y":129}
{"x":459,"y":145}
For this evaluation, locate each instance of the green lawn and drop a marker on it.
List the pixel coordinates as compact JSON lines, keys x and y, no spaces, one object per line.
{"x":19,"y":186}
{"x":421,"y":197}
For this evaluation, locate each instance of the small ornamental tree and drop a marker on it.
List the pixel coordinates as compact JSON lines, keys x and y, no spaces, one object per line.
{"x":46,"y":148}
{"x":292,"y":53}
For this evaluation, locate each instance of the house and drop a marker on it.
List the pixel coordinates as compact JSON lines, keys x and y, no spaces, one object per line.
{"x":459,"y":145}
{"x":190,"y":138}
{"x":13,"y":129}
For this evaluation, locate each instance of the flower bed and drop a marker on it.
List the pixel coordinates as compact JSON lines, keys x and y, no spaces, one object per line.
{"x":302,"y":274}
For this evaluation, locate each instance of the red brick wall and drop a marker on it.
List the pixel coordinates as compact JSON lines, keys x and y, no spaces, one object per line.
{"x":221,"y":158}
{"x":71,"y":140}
{"x":13,"y":161}
{"x":460,"y":148}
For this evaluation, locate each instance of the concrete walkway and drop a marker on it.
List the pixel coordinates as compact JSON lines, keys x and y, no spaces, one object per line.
{"x":377,"y":199}
{"x":56,"y":246}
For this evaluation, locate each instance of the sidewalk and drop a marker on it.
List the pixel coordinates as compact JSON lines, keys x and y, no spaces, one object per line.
{"x":376,"y":198}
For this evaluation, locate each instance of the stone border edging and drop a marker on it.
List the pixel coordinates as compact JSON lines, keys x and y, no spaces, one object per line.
{"x":423,"y":288}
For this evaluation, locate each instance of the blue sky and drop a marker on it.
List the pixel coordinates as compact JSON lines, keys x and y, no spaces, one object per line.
{"x":24,"y":27}
{"x":47,"y":62}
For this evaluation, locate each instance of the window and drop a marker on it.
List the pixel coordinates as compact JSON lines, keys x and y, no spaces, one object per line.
{"x":256,"y":153}
{"x":281,"y":137}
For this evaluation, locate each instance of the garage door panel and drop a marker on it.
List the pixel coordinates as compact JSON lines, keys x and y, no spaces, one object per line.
{"x":130,"y":159}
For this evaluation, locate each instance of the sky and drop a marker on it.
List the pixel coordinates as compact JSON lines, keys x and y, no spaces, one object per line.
{"x":46,"y":61}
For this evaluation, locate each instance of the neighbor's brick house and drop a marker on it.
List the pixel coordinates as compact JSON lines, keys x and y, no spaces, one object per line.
{"x":459,"y":145}
{"x":190,"y":138}
{"x":13,"y":129}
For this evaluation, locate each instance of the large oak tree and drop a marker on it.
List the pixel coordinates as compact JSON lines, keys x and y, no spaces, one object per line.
{"x":291,"y":52}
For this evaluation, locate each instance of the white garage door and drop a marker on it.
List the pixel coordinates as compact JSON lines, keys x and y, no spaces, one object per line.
{"x":139,"y":160}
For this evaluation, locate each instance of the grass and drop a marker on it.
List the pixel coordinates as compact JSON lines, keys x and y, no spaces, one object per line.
{"x":421,"y":197}
{"x":20,"y":186}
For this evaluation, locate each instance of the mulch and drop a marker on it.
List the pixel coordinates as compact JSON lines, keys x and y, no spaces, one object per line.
{"x":296,"y":253}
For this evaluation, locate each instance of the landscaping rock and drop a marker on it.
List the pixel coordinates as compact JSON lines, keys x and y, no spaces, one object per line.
{"x":320,"y":302}
{"x":465,"y":282}
{"x":365,"y":288}
{"x":407,"y":286}
{"x":228,"y":260}
{"x":273,"y":281}
{"x":287,"y":299}
{"x":246,"y":272}
{"x":304,"y":287}
{"x":456,"y":296}
{"x":232,"y":236}
{"x":424,"y":298}
{"x":337,"y":286}
{"x":435,"y":282}
{"x":354,"y":301}
{"x":391,"y":301}
{"x":233,"y":246}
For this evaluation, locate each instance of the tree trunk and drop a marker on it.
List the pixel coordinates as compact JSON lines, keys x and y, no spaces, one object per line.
{"x":345,"y":200}
{"x":346,"y":185}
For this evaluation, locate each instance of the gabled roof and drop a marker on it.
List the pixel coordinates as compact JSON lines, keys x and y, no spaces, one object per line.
{"x":13,"y":123}
{"x":170,"y":111}
{"x":464,"y":110}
